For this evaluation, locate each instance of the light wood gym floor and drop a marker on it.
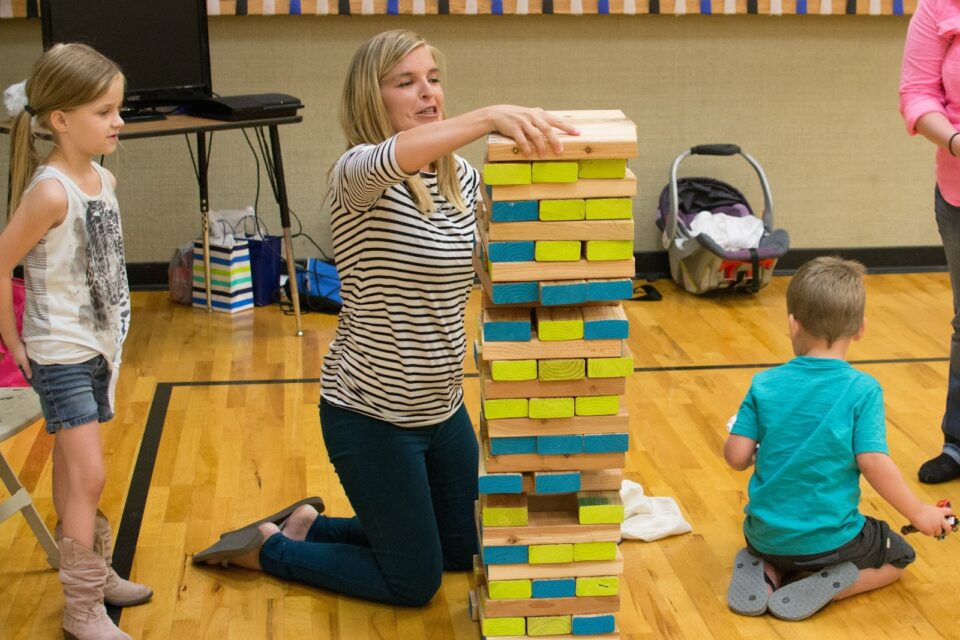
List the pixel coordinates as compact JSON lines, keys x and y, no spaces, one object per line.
{"x":217,"y":425}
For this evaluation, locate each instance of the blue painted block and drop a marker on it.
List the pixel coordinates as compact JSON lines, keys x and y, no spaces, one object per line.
{"x":556,"y":445}
{"x":521,"y":211}
{"x":560,"y":588}
{"x":565,"y":482}
{"x":508,"y":446}
{"x":563,"y":294}
{"x":607,"y":290}
{"x":500,"y":483}
{"x":509,"y":554}
{"x":511,"y":251}
{"x":606,"y":330}
{"x":514,"y":292}
{"x":605,"y":442}
{"x":593,"y":625}
{"x":506,"y":331}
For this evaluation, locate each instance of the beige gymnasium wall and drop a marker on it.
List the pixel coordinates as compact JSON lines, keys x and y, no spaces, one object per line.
{"x":813,"y":99}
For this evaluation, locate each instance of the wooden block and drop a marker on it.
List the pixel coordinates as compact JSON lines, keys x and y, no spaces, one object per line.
{"x":562,"y":369}
{"x":598,"y":250}
{"x":550,"y":553}
{"x":557,"y":250}
{"x":510,"y":554}
{"x":507,"y":173}
{"x":559,"y":445}
{"x":603,"y":134}
{"x":568,"y":570}
{"x":582,"y":625}
{"x":547,"y":527}
{"x":559,"y":588}
{"x":509,"y":446}
{"x":514,"y":292}
{"x":590,"y":480}
{"x":506,"y":325}
{"x":605,"y":168}
{"x":587,"y":270}
{"x":568,"y":603}
{"x":509,"y":589}
{"x":562,"y":230}
{"x":605,"y":442}
{"x":620,"y":367}
{"x":507,"y":370}
{"x":504,"y":510}
{"x":505,"y":408}
{"x":562,"y":210}
{"x":587,"y":551}
{"x":607,"y":290}
{"x":499,"y":482}
{"x":553,"y":172}
{"x":548,"y":625}
{"x":557,"y":481}
{"x":472,"y":605}
{"x":559,"y":323}
{"x":605,"y":323}
{"x":608,"y":209}
{"x":564,"y":292}
{"x":545,"y":408}
{"x":598,"y":585}
{"x":626,"y":187}
{"x":535,"y":349}
{"x":537,"y":462}
{"x":550,"y":389}
{"x":596,"y":405}
{"x":521,"y":251}
{"x":600,"y":507}
{"x":522,"y":211}
{"x":496,"y":627}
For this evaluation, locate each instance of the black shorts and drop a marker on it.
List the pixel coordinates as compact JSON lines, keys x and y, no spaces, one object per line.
{"x":875,"y":546}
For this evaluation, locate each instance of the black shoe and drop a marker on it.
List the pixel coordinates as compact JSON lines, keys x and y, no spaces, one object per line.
{"x":943,"y":468}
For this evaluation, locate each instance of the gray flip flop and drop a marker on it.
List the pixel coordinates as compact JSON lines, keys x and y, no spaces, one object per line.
{"x":280,"y":517}
{"x":232,"y":544}
{"x":803,"y":598}
{"x":747,"y":593}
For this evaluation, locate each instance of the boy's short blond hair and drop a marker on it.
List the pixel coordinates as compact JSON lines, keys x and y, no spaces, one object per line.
{"x":827,"y":297}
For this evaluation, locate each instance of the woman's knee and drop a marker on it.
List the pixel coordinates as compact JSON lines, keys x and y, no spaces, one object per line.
{"x":418,"y":586}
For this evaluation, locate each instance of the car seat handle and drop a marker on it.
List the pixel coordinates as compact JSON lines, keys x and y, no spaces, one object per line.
{"x":715,"y":150}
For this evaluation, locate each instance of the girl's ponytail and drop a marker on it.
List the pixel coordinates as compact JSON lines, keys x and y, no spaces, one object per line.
{"x":24,"y":158}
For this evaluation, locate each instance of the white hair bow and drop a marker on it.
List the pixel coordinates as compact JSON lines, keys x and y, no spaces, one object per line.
{"x":15,"y":100}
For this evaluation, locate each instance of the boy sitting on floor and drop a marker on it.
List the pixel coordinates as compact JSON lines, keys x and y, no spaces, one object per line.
{"x":819,"y":424}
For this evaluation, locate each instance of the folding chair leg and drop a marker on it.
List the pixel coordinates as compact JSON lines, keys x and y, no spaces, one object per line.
{"x":20,"y":500}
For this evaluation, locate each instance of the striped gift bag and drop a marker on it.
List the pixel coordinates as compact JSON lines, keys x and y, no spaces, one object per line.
{"x":231,"y":285}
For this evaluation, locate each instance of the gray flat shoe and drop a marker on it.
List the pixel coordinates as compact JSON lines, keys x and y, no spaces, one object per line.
{"x":230,"y":545}
{"x":747,"y":593}
{"x":803,"y":598}
{"x":278,"y":518}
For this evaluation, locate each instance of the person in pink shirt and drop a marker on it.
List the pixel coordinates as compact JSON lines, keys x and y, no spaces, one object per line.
{"x":930,"y":105}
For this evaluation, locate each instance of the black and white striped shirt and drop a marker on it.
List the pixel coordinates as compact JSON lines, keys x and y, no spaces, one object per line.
{"x":405,"y":279}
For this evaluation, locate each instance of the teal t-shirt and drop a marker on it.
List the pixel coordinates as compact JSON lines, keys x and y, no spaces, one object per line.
{"x":811,"y":417}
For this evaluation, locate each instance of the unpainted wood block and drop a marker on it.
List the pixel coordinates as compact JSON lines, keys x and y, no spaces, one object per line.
{"x":604,"y":168}
{"x":509,"y":589}
{"x":514,"y":292}
{"x":559,"y":445}
{"x":514,"y":211}
{"x":506,"y":370}
{"x":556,"y":324}
{"x":598,"y":586}
{"x":605,"y":442}
{"x":550,"y":553}
{"x":600,"y":250}
{"x":607,"y":290}
{"x":505,"y":408}
{"x":555,"y":172}
{"x":621,"y":367}
{"x":521,"y":251}
{"x":549,"y":625}
{"x":556,"y":481}
{"x":546,"y":408}
{"x":513,"y":446}
{"x":588,"y":551}
{"x":556,"y":588}
{"x":563,"y":369}
{"x":506,"y":554}
{"x":557,"y":251}
{"x":608,"y":208}
{"x":600,"y":507}
{"x":561,"y":210}
{"x":564,"y":292}
{"x":594,"y":624}
{"x":597,"y":405}
{"x":503,"y":510}
{"x":497,"y":173}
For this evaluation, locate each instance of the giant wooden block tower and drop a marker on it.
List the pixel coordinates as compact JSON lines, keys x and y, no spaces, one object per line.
{"x":555,"y":258}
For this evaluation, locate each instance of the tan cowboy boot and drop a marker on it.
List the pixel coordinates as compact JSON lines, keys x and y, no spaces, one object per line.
{"x":83,"y":574}
{"x":117,"y":591}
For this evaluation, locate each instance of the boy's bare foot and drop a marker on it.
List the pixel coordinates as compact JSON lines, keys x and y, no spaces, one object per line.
{"x":298,"y":524}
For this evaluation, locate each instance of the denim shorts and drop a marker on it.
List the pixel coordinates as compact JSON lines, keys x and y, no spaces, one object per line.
{"x":73,"y":394}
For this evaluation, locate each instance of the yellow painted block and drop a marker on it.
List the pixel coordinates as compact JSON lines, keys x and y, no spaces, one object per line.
{"x":494,"y":627}
{"x":608,"y":209}
{"x":557,"y":251}
{"x":568,"y":369}
{"x":510,"y":589}
{"x":601,"y":586}
{"x":507,"y":173}
{"x":503,"y":510}
{"x":600,"y":250}
{"x":559,"y":326}
{"x":546,"y":408}
{"x":594,"y":551}
{"x":550,"y":553}
{"x":512,"y":370}
{"x":597,"y":405}
{"x":505,"y":408}
{"x":554,"y":210}
{"x":549,"y":626}
{"x":606,"y":168}
{"x":609,"y":367}
{"x":555,"y":171}
{"x":600,"y":507}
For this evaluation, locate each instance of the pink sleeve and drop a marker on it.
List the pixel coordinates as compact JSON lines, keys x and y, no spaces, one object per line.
{"x":921,"y":87}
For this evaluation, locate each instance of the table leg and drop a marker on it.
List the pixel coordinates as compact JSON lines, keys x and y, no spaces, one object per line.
{"x":204,"y":212}
{"x":285,"y":222}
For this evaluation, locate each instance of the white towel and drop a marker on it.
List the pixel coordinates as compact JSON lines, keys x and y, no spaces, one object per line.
{"x":730,"y":232}
{"x":648,"y":518}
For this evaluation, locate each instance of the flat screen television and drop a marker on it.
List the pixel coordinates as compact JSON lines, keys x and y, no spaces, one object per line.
{"x":162,"y":46}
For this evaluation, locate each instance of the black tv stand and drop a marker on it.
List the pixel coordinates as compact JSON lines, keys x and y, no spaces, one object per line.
{"x":145,"y":114}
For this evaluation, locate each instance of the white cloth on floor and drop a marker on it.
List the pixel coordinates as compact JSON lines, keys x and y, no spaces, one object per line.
{"x":730,"y":232}
{"x":648,"y":518}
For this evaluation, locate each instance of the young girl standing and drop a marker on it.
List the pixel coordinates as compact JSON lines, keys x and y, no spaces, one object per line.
{"x":66,"y":225}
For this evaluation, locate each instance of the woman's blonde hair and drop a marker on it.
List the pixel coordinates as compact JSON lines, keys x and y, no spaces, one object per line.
{"x":364,"y":117}
{"x":66,"y":76}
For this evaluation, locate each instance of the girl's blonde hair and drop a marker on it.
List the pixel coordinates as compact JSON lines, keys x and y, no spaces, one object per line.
{"x":66,"y":76}
{"x":364,"y":117}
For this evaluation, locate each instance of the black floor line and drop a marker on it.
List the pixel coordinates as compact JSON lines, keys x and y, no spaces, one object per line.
{"x":129,"y":530}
